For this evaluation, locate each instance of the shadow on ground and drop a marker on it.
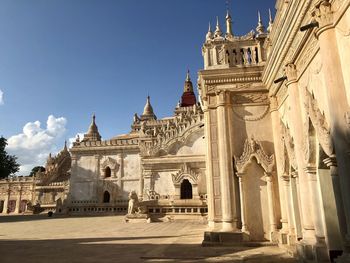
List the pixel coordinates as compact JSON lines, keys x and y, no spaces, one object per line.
{"x":118,"y":250}
{"x":25,"y":218}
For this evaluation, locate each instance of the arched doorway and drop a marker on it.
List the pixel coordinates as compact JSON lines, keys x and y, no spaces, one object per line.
{"x":106,"y":197}
{"x":108,"y":172}
{"x":186,"y":190}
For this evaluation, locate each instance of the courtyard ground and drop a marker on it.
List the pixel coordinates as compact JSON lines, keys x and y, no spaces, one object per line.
{"x":109,"y":239}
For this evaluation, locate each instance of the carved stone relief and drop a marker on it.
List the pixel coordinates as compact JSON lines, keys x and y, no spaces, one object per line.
{"x":253,"y":148}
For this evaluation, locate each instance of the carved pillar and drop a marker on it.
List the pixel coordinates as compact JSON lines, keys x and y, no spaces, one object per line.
{"x":331,"y":162}
{"x":74,"y":176}
{"x":97,"y":166}
{"x":315,"y":203}
{"x":209,"y":166}
{"x":290,"y":212}
{"x":296,"y":126}
{"x":225,"y":163}
{"x":141,"y":186}
{"x":280,"y":157}
{"x":148,"y":184}
{"x":241,"y":195}
{"x":7,"y":197}
{"x":270,"y":200}
{"x":18,"y":200}
{"x":296,"y":203}
{"x":337,"y":101}
{"x":120,"y":173}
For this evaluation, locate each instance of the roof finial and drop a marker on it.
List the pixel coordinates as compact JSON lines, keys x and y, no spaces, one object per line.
{"x":260,"y":28}
{"x":228,"y":21}
{"x":217,"y":32}
{"x":209,"y":35}
{"x":188,"y":75}
{"x":65,"y":145}
{"x":269,"y":28}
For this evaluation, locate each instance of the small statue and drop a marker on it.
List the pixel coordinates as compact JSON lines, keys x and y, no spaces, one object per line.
{"x":133,"y":203}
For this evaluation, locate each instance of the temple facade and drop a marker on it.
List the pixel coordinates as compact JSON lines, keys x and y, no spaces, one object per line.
{"x":262,"y":154}
{"x":162,"y":160}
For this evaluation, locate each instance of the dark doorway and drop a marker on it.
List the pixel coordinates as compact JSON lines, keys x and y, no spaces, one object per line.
{"x":106,"y":197}
{"x":186,"y":189}
{"x":23,"y":206}
{"x":108,"y":172}
{"x":11,"y":206}
{"x":2,"y":202}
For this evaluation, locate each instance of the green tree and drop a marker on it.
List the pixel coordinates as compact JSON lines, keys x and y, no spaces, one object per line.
{"x":37,"y":169}
{"x":8,"y":163}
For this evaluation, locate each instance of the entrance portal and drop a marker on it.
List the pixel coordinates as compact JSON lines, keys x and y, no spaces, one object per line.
{"x":186,"y":189}
{"x":106,"y":197}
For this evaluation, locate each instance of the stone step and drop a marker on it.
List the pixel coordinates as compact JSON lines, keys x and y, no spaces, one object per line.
{"x":231,"y":239}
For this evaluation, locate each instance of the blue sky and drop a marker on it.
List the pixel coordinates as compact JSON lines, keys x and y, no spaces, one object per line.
{"x":70,"y":58}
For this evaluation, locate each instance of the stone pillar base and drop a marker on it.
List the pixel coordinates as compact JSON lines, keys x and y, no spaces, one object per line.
{"x":274,"y":237}
{"x":286,"y":238}
{"x":222,"y":238}
{"x":312,"y":252}
{"x":228,"y":227}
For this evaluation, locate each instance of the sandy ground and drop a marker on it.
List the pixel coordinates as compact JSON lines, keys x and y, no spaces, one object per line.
{"x":109,"y":239}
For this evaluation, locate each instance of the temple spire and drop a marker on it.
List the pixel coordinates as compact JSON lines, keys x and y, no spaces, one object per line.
{"x":92,"y":133}
{"x":269,"y":28}
{"x":188,"y":97}
{"x":228,"y":24}
{"x":209,"y":35}
{"x":148,"y":111}
{"x":260,"y":28}
{"x":217,"y":32}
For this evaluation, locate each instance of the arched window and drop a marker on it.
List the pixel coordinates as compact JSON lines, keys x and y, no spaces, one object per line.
{"x":106,"y":197}
{"x":186,"y":189}
{"x":108,"y":172}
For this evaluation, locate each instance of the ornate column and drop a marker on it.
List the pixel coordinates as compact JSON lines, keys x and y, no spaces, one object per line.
{"x":337,"y":100}
{"x":6,"y":202}
{"x":225,"y":163}
{"x":297,"y":132}
{"x":296,"y":203}
{"x":120,"y":173}
{"x":73,"y":177}
{"x":290,"y":213}
{"x":241,"y":195}
{"x":97,"y":166}
{"x":209,"y":166}
{"x":270,"y":200}
{"x":331,"y":162}
{"x":315,"y":203}
{"x":148,"y":184}
{"x":18,"y":200}
{"x":280,"y":157}
{"x":141,"y":186}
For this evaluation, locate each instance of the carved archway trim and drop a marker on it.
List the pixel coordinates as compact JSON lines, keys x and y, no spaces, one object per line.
{"x":253,"y":148}
{"x":109,"y":162}
{"x":185,"y":173}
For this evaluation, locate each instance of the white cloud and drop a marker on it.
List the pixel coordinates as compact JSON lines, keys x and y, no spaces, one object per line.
{"x":1,"y":97}
{"x":33,"y":146}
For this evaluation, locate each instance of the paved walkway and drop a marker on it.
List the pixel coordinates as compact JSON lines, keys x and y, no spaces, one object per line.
{"x":108,"y":239}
